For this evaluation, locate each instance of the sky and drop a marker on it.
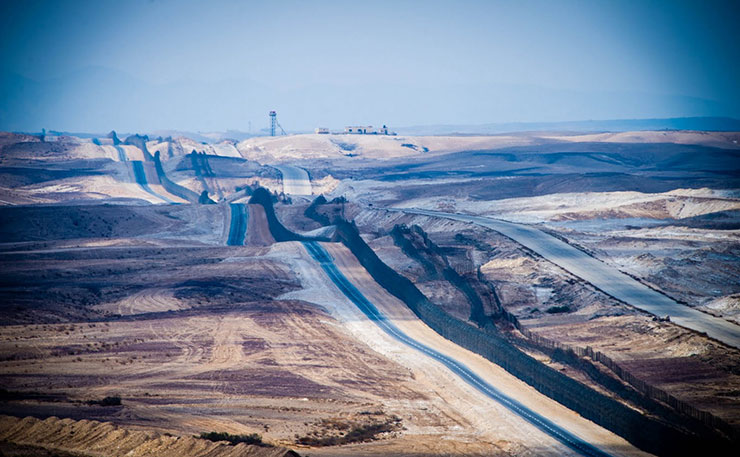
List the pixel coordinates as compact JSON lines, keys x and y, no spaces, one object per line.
{"x":145,"y":65}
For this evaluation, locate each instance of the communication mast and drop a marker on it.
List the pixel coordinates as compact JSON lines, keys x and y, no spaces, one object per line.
{"x":274,"y":123}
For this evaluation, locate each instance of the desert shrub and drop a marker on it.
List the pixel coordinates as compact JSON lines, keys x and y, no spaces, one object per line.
{"x":356,"y":433}
{"x":114,"y":400}
{"x":252,"y":438}
{"x":345,"y":146}
{"x":111,"y":401}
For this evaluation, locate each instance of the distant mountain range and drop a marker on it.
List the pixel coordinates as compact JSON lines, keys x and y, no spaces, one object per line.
{"x":613,"y":125}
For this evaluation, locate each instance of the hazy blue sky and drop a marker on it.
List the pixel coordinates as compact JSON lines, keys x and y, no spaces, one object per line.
{"x":214,"y":65}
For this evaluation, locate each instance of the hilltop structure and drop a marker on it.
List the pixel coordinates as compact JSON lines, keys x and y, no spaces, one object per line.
{"x":366,"y":130}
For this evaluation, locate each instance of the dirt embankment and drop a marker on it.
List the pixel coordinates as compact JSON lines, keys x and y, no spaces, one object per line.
{"x":97,"y":439}
{"x":258,"y":230}
{"x":140,"y":142}
{"x":262,"y":197}
{"x":481,"y":299}
{"x":171,"y":186}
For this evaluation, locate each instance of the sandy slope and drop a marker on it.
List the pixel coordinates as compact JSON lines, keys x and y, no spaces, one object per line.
{"x":226,"y":149}
{"x":297,"y":147}
{"x":79,"y":188}
{"x":150,"y":300}
{"x":676,"y":204}
{"x":92,"y":438}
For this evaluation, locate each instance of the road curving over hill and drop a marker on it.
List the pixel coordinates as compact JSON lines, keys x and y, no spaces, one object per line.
{"x":238,"y":223}
{"x":402,"y":326}
{"x":138,"y":170}
{"x":295,"y":180}
{"x":121,"y":154}
{"x":604,"y":277}
{"x":140,"y":176}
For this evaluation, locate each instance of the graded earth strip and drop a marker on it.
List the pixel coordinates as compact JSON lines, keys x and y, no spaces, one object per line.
{"x":258,"y":230}
{"x":604,"y":277}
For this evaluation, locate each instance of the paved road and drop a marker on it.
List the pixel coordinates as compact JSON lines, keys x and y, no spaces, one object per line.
{"x":140,"y":176}
{"x":295,"y":180}
{"x":320,"y":255}
{"x":604,"y":277}
{"x":238,"y":224}
{"x":121,"y":154}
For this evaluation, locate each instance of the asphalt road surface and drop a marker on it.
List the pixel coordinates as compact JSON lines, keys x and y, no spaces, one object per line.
{"x":121,"y":154}
{"x":140,"y":176}
{"x":320,"y":255}
{"x":238,"y":224}
{"x":605,"y":277}
{"x":295,"y":180}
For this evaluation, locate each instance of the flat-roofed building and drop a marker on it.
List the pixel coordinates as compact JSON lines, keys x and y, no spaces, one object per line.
{"x":359,"y":129}
{"x":366,"y":130}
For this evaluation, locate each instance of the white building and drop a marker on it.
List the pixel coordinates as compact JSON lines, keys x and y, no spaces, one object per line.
{"x":366,"y":130}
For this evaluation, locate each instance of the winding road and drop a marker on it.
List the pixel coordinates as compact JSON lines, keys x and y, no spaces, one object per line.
{"x":324,"y":259}
{"x":237,"y":224}
{"x":295,"y":180}
{"x":604,"y":277}
{"x":137,"y":166}
{"x":140,"y":176}
{"x":121,"y":154}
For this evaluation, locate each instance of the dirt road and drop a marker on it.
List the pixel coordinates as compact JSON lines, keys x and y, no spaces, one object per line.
{"x":604,"y":277}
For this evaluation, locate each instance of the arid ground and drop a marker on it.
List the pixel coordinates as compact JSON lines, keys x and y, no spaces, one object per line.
{"x":137,"y":269}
